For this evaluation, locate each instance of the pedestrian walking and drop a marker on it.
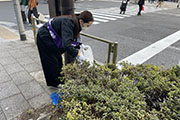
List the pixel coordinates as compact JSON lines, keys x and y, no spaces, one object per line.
{"x":123,"y":6}
{"x":24,"y":7}
{"x":32,"y":4}
{"x":140,"y":3}
{"x":56,"y":37}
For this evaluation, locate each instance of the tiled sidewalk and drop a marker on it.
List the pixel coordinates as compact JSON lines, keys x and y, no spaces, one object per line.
{"x":22,"y":84}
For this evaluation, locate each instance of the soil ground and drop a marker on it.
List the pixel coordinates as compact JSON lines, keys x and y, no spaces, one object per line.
{"x":46,"y":112}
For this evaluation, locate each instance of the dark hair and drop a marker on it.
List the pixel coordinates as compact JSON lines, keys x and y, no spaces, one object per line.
{"x":77,"y":28}
{"x":86,"y":16}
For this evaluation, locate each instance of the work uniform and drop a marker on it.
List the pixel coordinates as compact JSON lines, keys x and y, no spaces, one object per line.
{"x":49,"y":53}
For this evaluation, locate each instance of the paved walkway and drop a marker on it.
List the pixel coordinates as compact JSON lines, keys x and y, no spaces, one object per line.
{"x":22,"y":84}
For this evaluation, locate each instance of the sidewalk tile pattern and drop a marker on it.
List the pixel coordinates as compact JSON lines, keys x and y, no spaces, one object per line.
{"x":31,"y":89}
{"x":19,"y":90}
{"x":4,"y":77}
{"x":14,"y":105}
{"x":13,"y":68}
{"x":21,"y":77}
{"x":8,"y":89}
{"x":2,"y":116}
{"x":39,"y":100}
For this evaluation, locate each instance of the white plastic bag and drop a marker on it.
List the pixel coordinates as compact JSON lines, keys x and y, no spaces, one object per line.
{"x":87,"y":53}
{"x":41,"y":16}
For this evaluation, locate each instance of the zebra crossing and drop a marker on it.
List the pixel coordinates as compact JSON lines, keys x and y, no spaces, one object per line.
{"x":104,"y":15}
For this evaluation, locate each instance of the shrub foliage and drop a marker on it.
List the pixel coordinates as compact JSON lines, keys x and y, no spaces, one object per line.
{"x":142,"y":92}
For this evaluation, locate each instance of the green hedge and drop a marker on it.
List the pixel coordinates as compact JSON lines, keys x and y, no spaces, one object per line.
{"x":142,"y":92}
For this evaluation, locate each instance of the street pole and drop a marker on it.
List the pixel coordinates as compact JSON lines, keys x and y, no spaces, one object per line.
{"x":19,"y":19}
{"x":67,"y":8}
{"x":62,"y":7}
{"x":52,"y":8}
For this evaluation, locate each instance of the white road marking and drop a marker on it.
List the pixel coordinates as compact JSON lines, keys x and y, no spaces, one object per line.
{"x":107,"y":18}
{"x":96,"y":13}
{"x":100,"y":20}
{"x":112,"y":13}
{"x":150,"y":51}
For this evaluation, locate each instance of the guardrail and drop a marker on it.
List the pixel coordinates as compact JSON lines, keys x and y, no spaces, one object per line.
{"x":112,"y":48}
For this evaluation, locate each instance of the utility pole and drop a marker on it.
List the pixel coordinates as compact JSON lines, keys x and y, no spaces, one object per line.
{"x":52,"y":8}
{"x":58,"y":8}
{"x":19,"y":19}
{"x":67,"y":8}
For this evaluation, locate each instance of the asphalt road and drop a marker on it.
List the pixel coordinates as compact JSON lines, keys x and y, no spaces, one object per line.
{"x":133,"y":33}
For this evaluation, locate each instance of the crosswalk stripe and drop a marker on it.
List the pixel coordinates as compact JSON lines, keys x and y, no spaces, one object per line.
{"x":114,"y":12}
{"x":110,"y":13}
{"x":107,"y":15}
{"x":107,"y":18}
{"x":145,"y":54}
{"x":100,"y":20}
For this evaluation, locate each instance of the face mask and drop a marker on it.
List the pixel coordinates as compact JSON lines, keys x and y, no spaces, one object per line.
{"x":83,"y":27}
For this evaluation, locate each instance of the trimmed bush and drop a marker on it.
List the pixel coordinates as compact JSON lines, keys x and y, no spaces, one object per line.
{"x":142,"y":92}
